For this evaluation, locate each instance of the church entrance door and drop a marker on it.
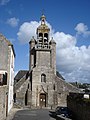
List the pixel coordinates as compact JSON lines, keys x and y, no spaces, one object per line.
{"x":42,"y":100}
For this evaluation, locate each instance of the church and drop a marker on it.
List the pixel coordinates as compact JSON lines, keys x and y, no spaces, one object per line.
{"x":41,"y":86}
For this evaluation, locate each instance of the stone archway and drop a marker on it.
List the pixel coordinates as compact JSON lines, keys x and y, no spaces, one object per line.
{"x":42,"y":100}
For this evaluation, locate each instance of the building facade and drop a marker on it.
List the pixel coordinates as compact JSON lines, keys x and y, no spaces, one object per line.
{"x":7,"y":56}
{"x":47,"y":88}
{"x":42,"y":66}
{"x":44,"y":86}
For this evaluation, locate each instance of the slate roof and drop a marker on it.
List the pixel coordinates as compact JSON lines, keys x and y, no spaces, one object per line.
{"x":2,"y":37}
{"x":20,"y":74}
{"x":59,"y":75}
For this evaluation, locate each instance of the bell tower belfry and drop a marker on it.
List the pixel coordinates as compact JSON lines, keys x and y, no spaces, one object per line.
{"x":42,"y":66}
{"x":42,"y":47}
{"x":43,"y":32}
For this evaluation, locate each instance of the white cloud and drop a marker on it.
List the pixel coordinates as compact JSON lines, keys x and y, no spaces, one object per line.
{"x":13,"y":22}
{"x":4,"y":2}
{"x":81,"y":28}
{"x":64,"y":40}
{"x":73,"y":62}
{"x":28,"y":29}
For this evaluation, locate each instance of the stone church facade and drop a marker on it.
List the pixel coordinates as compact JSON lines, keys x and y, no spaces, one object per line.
{"x":44,"y":87}
{"x":43,"y":66}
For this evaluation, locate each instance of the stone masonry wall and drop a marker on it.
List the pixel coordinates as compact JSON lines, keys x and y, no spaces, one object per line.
{"x":20,"y":89}
{"x":3,"y":53}
{"x":39,"y":87}
{"x":79,"y":106}
{"x":2,"y":102}
{"x":63,"y":89}
{"x":42,"y":59}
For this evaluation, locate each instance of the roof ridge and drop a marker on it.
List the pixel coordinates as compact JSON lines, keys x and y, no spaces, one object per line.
{"x":4,"y":38}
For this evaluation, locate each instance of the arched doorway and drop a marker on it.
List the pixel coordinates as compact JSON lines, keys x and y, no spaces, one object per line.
{"x":42,"y":100}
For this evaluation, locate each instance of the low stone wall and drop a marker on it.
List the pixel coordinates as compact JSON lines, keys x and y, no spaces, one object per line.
{"x":79,"y":106}
{"x":3,"y":94}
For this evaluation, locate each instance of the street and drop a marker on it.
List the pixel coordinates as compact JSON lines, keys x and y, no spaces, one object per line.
{"x":34,"y":114}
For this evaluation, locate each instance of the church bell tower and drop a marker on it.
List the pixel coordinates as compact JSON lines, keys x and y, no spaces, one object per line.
{"x":42,"y":66}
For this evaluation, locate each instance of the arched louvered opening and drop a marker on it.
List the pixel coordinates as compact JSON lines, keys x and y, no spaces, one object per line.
{"x":45,"y":38}
{"x":40,"y":37}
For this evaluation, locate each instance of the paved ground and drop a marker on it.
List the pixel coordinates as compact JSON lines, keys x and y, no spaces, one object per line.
{"x":35,"y":114}
{"x":12,"y":113}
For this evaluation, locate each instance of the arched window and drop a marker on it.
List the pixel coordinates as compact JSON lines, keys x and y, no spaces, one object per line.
{"x":3,"y":79}
{"x":45,"y":37}
{"x":40,"y":37}
{"x":43,"y":78}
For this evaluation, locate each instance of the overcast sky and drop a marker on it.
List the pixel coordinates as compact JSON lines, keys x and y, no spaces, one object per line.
{"x":69,"y":21}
